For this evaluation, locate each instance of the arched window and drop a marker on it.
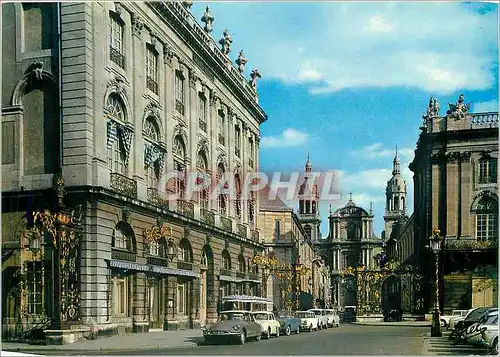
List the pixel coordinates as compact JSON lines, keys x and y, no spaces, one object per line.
{"x":184,"y":252}
{"x":204,"y":259}
{"x":153,"y":157}
{"x":123,"y":237}
{"x":179,"y":151}
{"x":221,"y":199}
{"x":241,"y":263}
{"x":114,"y":113}
{"x":487,"y":219}
{"x":202,"y":165}
{"x":313,"y":207}
{"x":226,"y":260}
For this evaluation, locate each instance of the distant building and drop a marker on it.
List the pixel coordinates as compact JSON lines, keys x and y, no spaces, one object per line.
{"x":456,"y":190}
{"x":309,"y":215}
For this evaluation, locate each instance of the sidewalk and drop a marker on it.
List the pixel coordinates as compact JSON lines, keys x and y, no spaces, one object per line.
{"x":408,"y":323}
{"x":444,"y":346}
{"x":129,"y":342}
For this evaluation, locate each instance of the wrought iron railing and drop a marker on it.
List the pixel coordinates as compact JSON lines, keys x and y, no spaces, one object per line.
{"x":152,"y":85}
{"x":179,"y":107}
{"x":124,"y":185}
{"x":156,"y":198}
{"x":242,"y":230}
{"x":225,"y":272}
{"x":202,"y":124}
{"x":241,"y":275}
{"x":255,"y":235}
{"x":117,"y":57}
{"x":123,"y":255}
{"x":253,"y":276}
{"x":488,"y":179}
{"x":207,"y":216}
{"x":185,"y":208}
{"x":185,"y":265}
{"x":155,"y":260}
{"x":221,"y":139}
{"x":226,"y":224}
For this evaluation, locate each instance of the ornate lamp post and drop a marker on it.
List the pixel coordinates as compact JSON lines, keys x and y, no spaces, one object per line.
{"x":170,"y":253}
{"x":35,"y":239}
{"x":435,"y":247}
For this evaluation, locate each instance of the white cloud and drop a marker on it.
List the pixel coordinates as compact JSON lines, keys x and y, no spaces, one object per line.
{"x":289,"y":137}
{"x":332,"y":46}
{"x":377,"y":151}
{"x":481,"y":107}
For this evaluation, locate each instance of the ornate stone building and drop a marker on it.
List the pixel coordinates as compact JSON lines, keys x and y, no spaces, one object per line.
{"x":101,"y":101}
{"x":456,"y":191}
{"x":308,"y":195}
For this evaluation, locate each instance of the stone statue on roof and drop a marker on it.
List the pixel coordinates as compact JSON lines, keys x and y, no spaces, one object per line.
{"x":254,"y":75}
{"x":208,"y":19}
{"x":459,"y":110}
{"x":241,"y":61}
{"x":226,"y":42}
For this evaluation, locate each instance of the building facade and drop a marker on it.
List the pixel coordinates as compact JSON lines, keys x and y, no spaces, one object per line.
{"x":456,"y":191}
{"x":101,"y":102}
{"x":308,"y":196}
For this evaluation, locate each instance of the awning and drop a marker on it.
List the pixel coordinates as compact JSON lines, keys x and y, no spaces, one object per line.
{"x":151,"y":268}
{"x":246,"y":298}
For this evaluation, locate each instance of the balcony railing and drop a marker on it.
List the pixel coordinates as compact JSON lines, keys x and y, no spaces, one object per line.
{"x":154,"y":197}
{"x":225,"y":272}
{"x":488,"y":179}
{"x":226,"y":224}
{"x":242,"y":230}
{"x":489,"y":120}
{"x":221,"y":139}
{"x":179,"y":107}
{"x":255,"y":235}
{"x":117,"y":57}
{"x":156,"y":260}
{"x":241,"y":275}
{"x":202,"y":124}
{"x":124,"y":185}
{"x":253,"y":277}
{"x":152,"y":85}
{"x":123,"y":255}
{"x":185,"y":265}
{"x":207,"y":216}
{"x":185,"y":208}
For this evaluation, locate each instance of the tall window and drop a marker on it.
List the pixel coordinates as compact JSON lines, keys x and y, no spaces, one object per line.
{"x":241,"y":264}
{"x":221,"y":127}
{"x":202,"y":112}
{"x":237,"y":202}
{"x":115,"y":114}
{"x":154,"y":248}
{"x":221,"y":199}
{"x":182,"y":299}
{"x":202,"y":170}
{"x":184,"y":251}
{"x":179,"y":92}
{"x":34,"y":291}
{"x":226,"y":260}
{"x":151,"y":137}
{"x":151,"y":70}
{"x":251,"y":152}
{"x":487,"y":219}
{"x":488,"y":170}
{"x":237,"y":135}
{"x":277,"y":229}
{"x":116,"y":41}
{"x":120,"y":296}
{"x":123,"y":237}
{"x":179,"y":151}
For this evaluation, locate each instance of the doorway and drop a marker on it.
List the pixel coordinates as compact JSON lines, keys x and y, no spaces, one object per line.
{"x":155,"y":303}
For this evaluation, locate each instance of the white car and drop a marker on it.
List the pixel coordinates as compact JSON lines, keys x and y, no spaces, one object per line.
{"x":333,"y":318}
{"x":267,"y":320}
{"x":308,"y":320}
{"x":445,"y":319}
{"x":473,"y":334}
{"x":322,"y":317}
{"x":489,"y":339}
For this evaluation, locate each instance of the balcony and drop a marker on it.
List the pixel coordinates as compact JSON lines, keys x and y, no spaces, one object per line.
{"x":156,"y":260}
{"x":221,"y":139}
{"x":185,"y":265}
{"x":253,"y":277}
{"x":152,"y":85}
{"x":123,"y":185}
{"x":207,"y":216}
{"x":185,"y":208}
{"x":255,"y":235}
{"x":117,"y":57}
{"x":155,"y":198}
{"x":225,"y":272}
{"x":226,"y":224}
{"x":488,"y":179}
{"x":179,"y":107}
{"x":121,"y":254}
{"x":202,"y":124}
{"x":241,"y":275}
{"x":242,"y":230}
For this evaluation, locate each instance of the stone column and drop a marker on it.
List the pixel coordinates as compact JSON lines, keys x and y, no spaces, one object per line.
{"x":435,"y":197}
{"x":195,"y":303}
{"x":466,"y":176}
{"x":451,"y":198}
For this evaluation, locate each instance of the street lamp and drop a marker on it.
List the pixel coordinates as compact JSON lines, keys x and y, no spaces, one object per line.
{"x":435,"y":247}
{"x":170,"y":249}
{"x":35,"y":239}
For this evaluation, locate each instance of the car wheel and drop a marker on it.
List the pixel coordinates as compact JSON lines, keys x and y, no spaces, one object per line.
{"x":298,"y":330}
{"x":242,"y":338}
{"x":277,"y":332}
{"x":287,"y":331}
{"x":268,"y":333}
{"x":443,"y":323}
{"x":310,"y":328}
{"x":257,"y":338}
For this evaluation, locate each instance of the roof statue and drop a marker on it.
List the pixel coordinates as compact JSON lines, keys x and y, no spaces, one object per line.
{"x":241,"y":61}
{"x":458,"y":110}
{"x":187,"y":4}
{"x":208,"y":19}
{"x":255,"y":74}
{"x":432,"y":108}
{"x":226,"y":42}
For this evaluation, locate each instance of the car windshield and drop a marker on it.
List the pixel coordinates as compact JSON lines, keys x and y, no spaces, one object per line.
{"x":476,"y":314}
{"x":316,"y":312}
{"x":491,"y":320}
{"x":261,"y":316}
{"x":303,"y":314}
{"x":457,"y":313}
{"x":228,"y":316}
{"x":283,"y":314}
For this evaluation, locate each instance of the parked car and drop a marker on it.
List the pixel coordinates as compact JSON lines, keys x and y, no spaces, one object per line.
{"x":333,"y":318}
{"x":445,"y":319}
{"x":269,"y":324}
{"x":472,"y":316}
{"x":235,"y":325}
{"x":288,"y":322}
{"x":472,"y":335}
{"x":308,"y":320}
{"x":349,"y":314}
{"x":489,"y":339}
{"x":322,"y":317}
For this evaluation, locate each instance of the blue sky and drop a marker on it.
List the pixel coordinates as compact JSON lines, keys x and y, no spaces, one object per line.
{"x":347,"y":82}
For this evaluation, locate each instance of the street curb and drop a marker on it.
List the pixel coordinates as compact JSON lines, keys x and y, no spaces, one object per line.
{"x":83,"y":351}
{"x":387,"y":324}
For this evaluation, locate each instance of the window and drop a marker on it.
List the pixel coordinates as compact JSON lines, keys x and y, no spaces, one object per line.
{"x":179,"y":92}
{"x":39,"y":26}
{"x":221,"y":199}
{"x":202,"y":110}
{"x":221,"y":127}
{"x":116,"y":41}
{"x":251,"y":152}
{"x":181,"y":299}
{"x":487,"y":219}
{"x":151,"y":153}
{"x":226,"y":260}
{"x":184,"y":251}
{"x":115,"y":114}
{"x":120,"y":296}
{"x":179,"y":151}
{"x":120,"y":240}
{"x":204,"y":260}
{"x":151,"y":70}
{"x":34,"y":293}
{"x":202,"y":170}
{"x":225,"y":289}
{"x":154,"y":248}
{"x":277,"y":229}
{"x":123,"y":237}
{"x":241,"y":264}
{"x":237,"y":134}
{"x":237,"y":202}
{"x":488,"y":170}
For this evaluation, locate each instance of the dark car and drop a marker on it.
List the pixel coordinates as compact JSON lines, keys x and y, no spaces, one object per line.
{"x":349,"y":314}
{"x":472,"y":317}
{"x":288,"y":322}
{"x":234,"y":325}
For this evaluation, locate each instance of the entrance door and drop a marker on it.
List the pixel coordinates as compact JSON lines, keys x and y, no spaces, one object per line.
{"x":203,"y":297}
{"x":155,"y":302}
